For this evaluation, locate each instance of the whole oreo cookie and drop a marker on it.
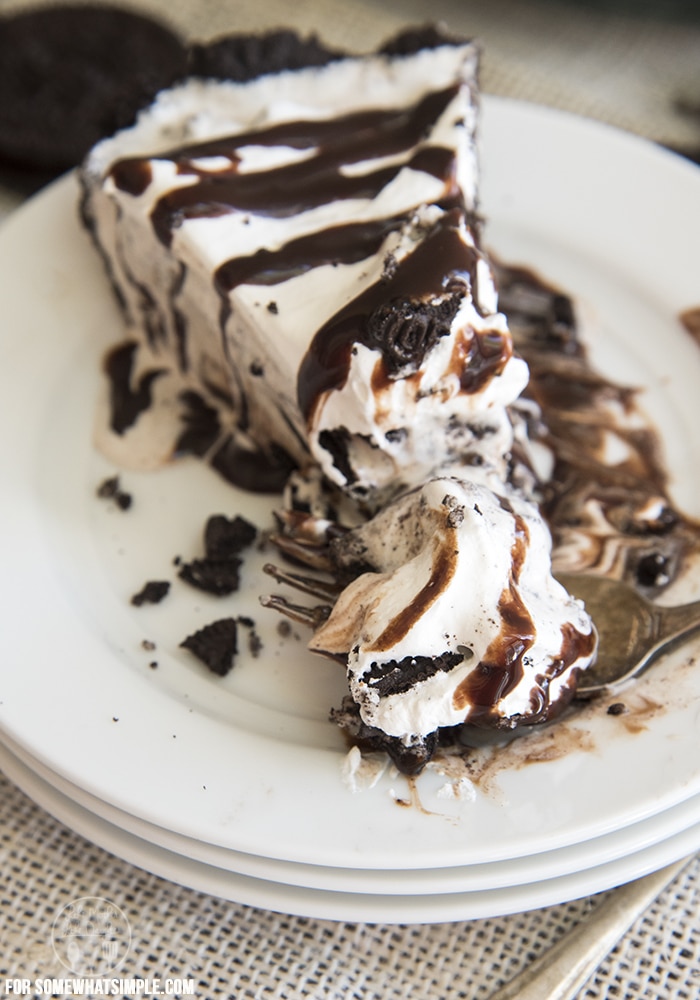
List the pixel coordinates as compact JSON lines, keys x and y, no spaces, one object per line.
{"x":70,"y":75}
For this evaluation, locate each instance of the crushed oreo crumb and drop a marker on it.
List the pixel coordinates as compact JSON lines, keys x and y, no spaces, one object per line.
{"x":152,"y":592}
{"x":220,"y":577}
{"x":110,"y":489}
{"x":123,"y":500}
{"x":273,"y":308}
{"x":619,"y":708}
{"x":390,"y":266}
{"x":255,"y":643}
{"x":148,"y":645}
{"x":227,"y":537}
{"x":455,"y":514}
{"x":408,"y":759}
{"x":219,"y":571}
{"x":216,"y":645}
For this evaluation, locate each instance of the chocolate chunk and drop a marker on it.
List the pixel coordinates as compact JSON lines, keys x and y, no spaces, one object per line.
{"x":215,"y":645}
{"x":72,"y":74}
{"x":152,"y":592}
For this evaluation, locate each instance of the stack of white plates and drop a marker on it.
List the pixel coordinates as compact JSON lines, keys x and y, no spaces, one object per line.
{"x":234,"y":785}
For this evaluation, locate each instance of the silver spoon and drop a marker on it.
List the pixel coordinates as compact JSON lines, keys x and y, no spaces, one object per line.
{"x":561,"y":971}
{"x":632,"y":631}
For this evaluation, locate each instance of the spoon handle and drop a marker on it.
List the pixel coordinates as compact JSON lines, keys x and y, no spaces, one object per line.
{"x":562,"y":970}
{"x":675,"y":622}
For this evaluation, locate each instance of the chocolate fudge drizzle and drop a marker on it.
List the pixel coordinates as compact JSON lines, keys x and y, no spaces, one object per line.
{"x":442,"y":571}
{"x":440,"y":266}
{"x":299,"y":186}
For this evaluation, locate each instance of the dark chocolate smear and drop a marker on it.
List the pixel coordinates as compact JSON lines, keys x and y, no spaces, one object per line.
{"x":201,"y":427}
{"x":690,"y":318}
{"x":126,"y":402}
{"x":574,"y":399}
{"x":543,"y":322}
{"x":261,"y":471}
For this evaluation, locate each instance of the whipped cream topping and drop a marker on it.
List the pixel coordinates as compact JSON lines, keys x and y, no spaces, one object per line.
{"x":430,"y":369}
{"x":460,"y":619}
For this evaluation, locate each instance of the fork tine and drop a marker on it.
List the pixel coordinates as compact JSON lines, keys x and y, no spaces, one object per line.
{"x":325,"y":590}
{"x":297,"y":612}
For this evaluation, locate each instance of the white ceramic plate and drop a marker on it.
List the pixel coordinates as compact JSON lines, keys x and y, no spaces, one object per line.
{"x":250,"y":762}
{"x":334,"y":904}
{"x":614,"y":852}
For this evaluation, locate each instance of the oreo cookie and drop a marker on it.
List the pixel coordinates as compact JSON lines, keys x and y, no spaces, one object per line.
{"x":71,"y":75}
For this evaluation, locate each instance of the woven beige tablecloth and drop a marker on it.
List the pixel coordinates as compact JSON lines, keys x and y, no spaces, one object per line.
{"x":640,"y":73}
